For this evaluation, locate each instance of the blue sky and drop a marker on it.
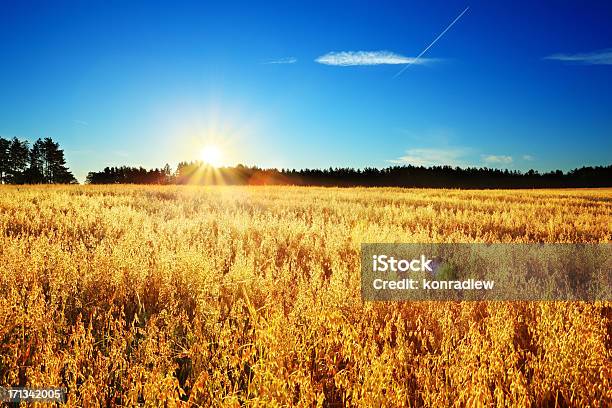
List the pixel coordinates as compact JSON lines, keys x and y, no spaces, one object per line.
{"x":515,"y":85}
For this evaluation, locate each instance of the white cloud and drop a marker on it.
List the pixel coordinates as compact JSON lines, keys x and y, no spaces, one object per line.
{"x":497,"y":159}
{"x":80,"y":122}
{"x":288,"y":60}
{"x":528,"y":157}
{"x":351,"y":58}
{"x":601,"y":57}
{"x":433,"y":157}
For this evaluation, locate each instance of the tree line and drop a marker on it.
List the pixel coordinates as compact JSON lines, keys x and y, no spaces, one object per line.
{"x":131,"y":175}
{"x":395,"y":176}
{"x":42,"y":163}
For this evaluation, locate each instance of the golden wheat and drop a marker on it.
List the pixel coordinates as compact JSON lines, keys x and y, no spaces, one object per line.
{"x":230,"y":296}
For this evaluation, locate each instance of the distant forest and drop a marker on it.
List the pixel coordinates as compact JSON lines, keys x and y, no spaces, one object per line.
{"x":42,"y":163}
{"x":395,"y":176}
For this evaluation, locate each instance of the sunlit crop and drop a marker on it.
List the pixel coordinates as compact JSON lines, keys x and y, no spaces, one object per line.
{"x":230,"y":296}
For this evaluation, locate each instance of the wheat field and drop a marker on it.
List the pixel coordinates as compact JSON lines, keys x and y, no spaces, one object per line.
{"x":249,"y":296}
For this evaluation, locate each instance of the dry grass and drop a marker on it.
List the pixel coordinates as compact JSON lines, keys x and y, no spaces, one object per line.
{"x":250,"y":295}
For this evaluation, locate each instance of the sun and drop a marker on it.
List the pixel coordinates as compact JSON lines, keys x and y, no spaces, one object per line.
{"x":211,"y":155}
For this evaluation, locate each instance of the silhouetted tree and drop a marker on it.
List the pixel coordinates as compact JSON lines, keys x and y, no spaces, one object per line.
{"x":127,"y":175}
{"x":168,"y":175}
{"x":35,"y":172}
{"x":396,"y":176}
{"x":4,"y":159}
{"x":54,"y":164}
{"x":18,"y":153}
{"x":43,"y":163}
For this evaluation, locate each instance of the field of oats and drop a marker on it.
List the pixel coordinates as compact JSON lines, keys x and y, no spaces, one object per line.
{"x":231,"y":296}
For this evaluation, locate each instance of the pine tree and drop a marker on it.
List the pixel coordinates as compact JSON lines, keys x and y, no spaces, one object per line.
{"x":43,"y":163}
{"x":54,"y":165}
{"x":18,"y":153}
{"x":168,"y":177}
{"x":35,"y":171}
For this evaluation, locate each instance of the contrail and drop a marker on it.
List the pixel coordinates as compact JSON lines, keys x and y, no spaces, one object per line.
{"x":433,"y":42}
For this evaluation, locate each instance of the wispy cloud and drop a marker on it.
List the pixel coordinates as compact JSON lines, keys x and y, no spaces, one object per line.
{"x":433,"y":157}
{"x":80,"y":122}
{"x":528,"y":157}
{"x":287,"y":60}
{"x":497,"y":159}
{"x":453,"y":156}
{"x":352,"y":58}
{"x":601,"y":57}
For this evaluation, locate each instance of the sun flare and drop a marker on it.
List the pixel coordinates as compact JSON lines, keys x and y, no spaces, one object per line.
{"x":211,"y":155}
